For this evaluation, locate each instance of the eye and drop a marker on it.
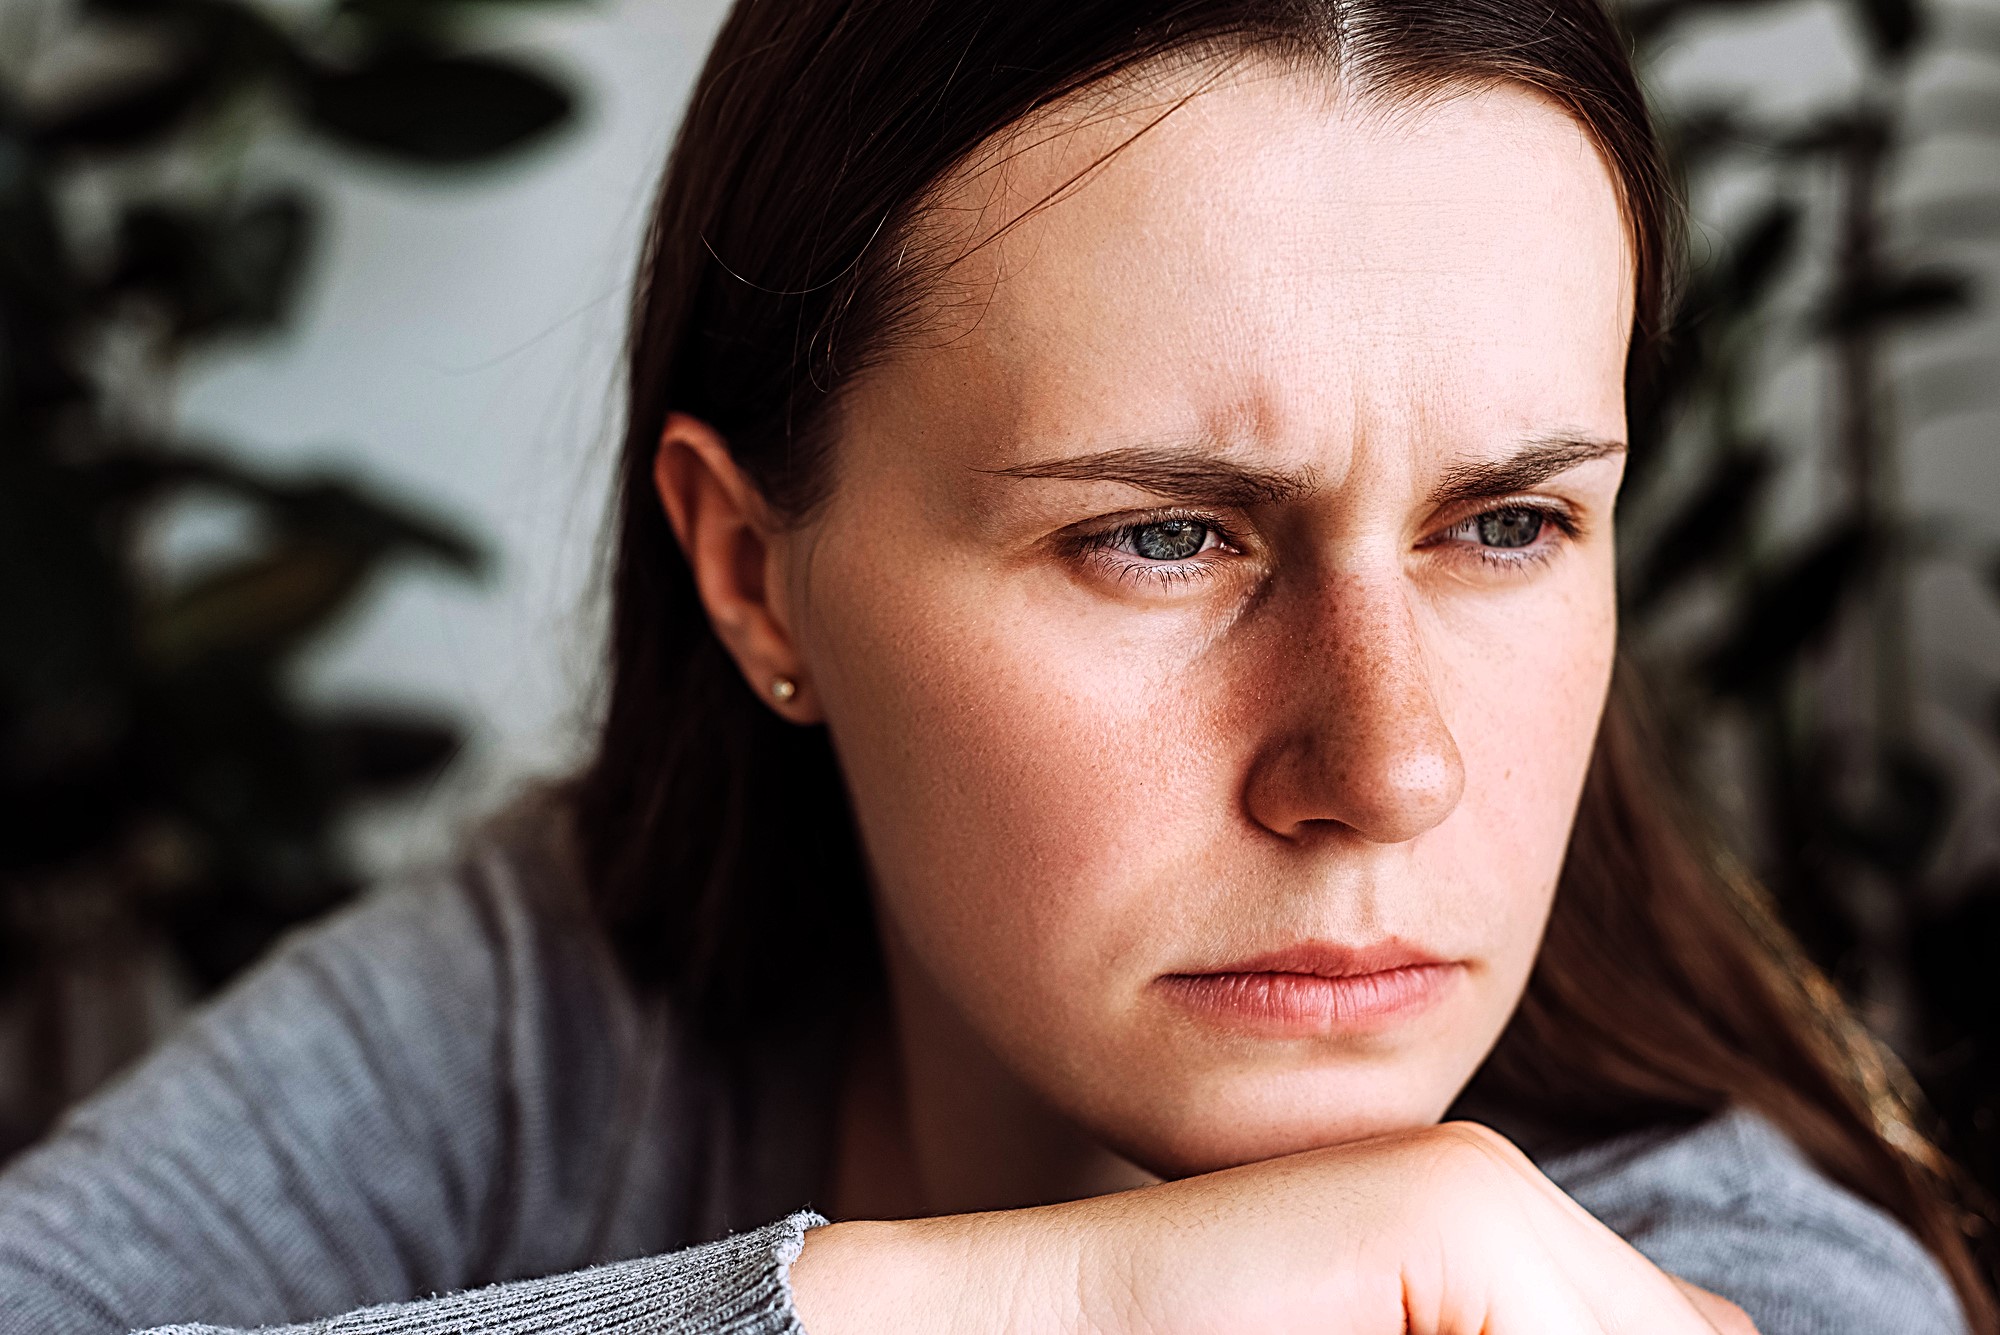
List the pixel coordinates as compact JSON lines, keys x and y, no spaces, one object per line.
{"x":1508,"y":528}
{"x":1171,"y":548}
{"x":1169,"y":539}
{"x":1511,"y":535}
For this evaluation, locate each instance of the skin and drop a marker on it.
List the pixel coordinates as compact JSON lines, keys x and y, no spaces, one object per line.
{"x":1327,"y":333}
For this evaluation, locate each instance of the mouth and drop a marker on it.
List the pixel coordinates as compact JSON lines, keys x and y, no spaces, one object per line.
{"x":1316,"y":989}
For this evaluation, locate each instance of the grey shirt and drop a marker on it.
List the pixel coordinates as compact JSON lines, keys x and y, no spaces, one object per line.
{"x":446,"y":1089}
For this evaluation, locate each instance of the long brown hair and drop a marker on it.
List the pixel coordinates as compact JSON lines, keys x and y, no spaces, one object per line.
{"x":717,"y":842}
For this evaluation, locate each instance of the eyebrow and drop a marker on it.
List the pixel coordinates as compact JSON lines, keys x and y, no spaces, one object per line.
{"x":1538,"y":461}
{"x":1185,"y":476}
{"x":1192,"y":478}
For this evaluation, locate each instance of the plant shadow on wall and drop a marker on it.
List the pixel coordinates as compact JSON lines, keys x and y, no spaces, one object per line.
{"x":170,"y":797}
{"x":1778,"y":637}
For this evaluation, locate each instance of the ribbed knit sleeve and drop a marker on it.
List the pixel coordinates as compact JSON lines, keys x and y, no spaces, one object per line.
{"x":738,"y":1286}
{"x":439,"y":1090}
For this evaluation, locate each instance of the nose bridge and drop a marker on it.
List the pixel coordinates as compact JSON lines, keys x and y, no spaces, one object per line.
{"x":1362,"y":741}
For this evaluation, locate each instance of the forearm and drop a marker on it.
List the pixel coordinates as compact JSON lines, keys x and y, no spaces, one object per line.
{"x":737,"y":1286}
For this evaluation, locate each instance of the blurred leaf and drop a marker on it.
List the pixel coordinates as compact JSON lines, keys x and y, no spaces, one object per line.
{"x":326,"y":507}
{"x":1909,"y":297}
{"x":1759,"y":253}
{"x":1790,"y":609}
{"x":329,"y":536}
{"x":1697,"y":135}
{"x":1892,"y":25}
{"x":436,"y":108}
{"x":213,"y":49}
{"x":373,"y":750}
{"x":1707,"y":528}
{"x":257,"y":608}
{"x":137,"y":113}
{"x":218,"y":271}
{"x":350,"y":515}
{"x":1656,"y":395}
{"x":1846,"y":130}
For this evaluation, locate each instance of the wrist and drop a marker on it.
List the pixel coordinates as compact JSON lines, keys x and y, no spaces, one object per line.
{"x":1009,"y":1272}
{"x":849,"y":1275}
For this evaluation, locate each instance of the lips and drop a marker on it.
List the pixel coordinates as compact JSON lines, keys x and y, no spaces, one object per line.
{"x":1315,"y":988}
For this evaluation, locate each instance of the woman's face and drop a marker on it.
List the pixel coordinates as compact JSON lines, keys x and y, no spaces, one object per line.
{"x":1219,"y":597}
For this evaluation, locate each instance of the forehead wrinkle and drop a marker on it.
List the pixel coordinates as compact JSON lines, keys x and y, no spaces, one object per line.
{"x":990,"y":198}
{"x":934,"y":255}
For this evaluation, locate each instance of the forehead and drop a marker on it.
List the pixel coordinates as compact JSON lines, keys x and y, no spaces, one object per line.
{"x":1261,"y":250}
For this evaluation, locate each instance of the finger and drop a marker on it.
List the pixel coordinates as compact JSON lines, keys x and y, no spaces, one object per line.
{"x":1719,"y":1312}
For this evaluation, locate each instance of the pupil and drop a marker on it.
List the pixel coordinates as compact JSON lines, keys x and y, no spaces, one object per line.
{"x":1169,"y":539}
{"x":1510,"y":528}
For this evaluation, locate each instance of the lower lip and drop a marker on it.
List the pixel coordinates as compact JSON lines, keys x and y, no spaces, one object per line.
{"x":1304,"y":1004}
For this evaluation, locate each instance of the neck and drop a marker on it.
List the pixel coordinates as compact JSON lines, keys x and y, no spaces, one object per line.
{"x":932,"y":1123}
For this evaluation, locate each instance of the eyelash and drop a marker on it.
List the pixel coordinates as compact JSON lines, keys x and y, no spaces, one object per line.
{"x":1102,"y":546}
{"x":1556,"y":517}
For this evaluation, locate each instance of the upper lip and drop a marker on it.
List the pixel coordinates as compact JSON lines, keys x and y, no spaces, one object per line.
{"x":1328,"y":959}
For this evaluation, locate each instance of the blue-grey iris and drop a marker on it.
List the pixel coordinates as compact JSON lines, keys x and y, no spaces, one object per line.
{"x":1169,"y":539}
{"x":1510,"y":528}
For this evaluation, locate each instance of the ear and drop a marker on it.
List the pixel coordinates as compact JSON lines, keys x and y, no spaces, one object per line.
{"x":729,"y":535}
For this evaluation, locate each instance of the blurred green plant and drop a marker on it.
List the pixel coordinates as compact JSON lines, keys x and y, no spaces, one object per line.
{"x":1780,"y":644}
{"x":166,"y":792}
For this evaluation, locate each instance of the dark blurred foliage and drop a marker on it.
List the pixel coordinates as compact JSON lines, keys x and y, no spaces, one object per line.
{"x":166,"y":792}
{"x":1792,"y":642}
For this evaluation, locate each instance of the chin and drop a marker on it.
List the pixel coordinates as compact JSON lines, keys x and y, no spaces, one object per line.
{"x":1226,"y":1122}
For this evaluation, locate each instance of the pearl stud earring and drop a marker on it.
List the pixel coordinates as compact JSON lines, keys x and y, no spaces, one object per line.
{"x":783,"y":689}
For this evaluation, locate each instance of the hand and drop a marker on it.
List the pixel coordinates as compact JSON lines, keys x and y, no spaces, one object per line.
{"x":1725,"y":1316}
{"x":1448,"y":1230}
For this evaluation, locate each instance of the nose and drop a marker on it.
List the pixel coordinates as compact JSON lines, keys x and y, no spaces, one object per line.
{"x":1355,"y":739}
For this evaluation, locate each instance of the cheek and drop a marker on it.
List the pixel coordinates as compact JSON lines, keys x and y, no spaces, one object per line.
{"x":1527,"y":687}
{"x":1017,"y":780}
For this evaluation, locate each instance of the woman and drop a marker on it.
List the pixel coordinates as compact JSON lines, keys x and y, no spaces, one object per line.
{"x":1107,"y":772}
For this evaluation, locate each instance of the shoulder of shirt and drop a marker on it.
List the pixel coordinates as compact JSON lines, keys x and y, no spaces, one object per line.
{"x":1733,"y":1205}
{"x":499,"y":927}
{"x":494,"y":984}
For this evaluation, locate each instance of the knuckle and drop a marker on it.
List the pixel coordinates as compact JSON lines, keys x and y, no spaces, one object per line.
{"x":1729,"y":1319}
{"x":1480,"y":1152}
